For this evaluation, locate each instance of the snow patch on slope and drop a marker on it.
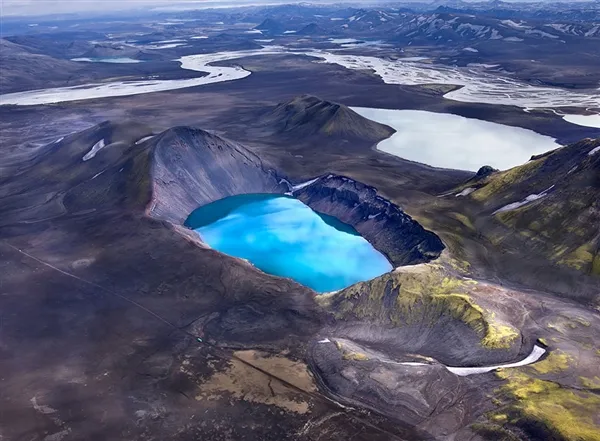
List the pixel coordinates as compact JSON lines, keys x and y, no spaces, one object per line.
{"x":466,"y":192}
{"x":95,"y":149}
{"x":594,"y":151}
{"x":527,"y":200}
{"x":535,"y":355}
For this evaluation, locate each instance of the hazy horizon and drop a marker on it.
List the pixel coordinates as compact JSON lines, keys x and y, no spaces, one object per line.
{"x":24,"y":8}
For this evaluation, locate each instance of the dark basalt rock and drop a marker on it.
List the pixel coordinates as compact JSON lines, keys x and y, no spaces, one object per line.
{"x":391,"y":231}
{"x":484,"y":171}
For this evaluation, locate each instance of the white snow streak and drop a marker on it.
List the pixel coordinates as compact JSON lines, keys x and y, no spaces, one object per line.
{"x":144,"y":139}
{"x":594,"y":151}
{"x":535,"y":355}
{"x":527,"y":200}
{"x":303,"y":184}
{"x":95,"y":149}
{"x":466,"y":192}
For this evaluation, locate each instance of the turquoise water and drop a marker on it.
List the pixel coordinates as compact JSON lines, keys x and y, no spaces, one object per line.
{"x":282,"y":236}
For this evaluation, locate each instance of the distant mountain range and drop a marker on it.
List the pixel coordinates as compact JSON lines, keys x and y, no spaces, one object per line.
{"x":445,"y":24}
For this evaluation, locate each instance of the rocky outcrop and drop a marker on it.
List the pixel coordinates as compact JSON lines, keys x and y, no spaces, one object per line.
{"x":391,"y":231}
{"x":311,"y":29}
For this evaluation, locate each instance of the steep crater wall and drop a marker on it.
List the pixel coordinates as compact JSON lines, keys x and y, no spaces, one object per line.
{"x":192,"y":167}
{"x":391,"y":231}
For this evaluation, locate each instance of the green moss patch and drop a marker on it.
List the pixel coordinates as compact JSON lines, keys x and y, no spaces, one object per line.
{"x":569,"y":414}
{"x":557,"y":361}
{"x":422,"y":293}
{"x":500,"y":181}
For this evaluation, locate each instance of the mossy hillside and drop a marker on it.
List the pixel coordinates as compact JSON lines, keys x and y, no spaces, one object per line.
{"x":560,"y":226}
{"x":566,"y":414}
{"x":557,"y":361}
{"x":499,"y":182}
{"x":591,"y":383}
{"x":420,"y":294}
{"x":463,"y":219}
{"x":355,"y":356}
{"x":559,"y":230}
{"x":494,"y":431}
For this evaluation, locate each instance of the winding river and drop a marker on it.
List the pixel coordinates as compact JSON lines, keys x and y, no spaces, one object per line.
{"x":478,"y":84}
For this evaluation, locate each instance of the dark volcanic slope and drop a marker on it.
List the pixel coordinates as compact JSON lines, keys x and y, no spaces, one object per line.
{"x":192,"y":167}
{"x":118,"y":323}
{"x":307,"y":116}
{"x":387,"y":340}
{"x":101,"y":306}
{"x":19,"y":65}
{"x":104,"y":300}
{"x":171,"y":174}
